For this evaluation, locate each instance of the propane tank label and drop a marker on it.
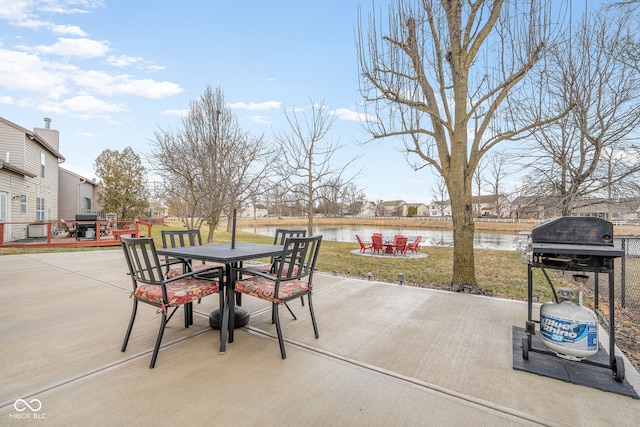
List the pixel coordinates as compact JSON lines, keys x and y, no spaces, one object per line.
{"x":577,"y":335}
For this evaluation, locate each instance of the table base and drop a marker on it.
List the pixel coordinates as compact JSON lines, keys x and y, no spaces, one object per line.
{"x":241,"y":318}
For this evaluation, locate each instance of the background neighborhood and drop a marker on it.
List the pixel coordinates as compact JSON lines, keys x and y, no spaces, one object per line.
{"x":34,"y":187}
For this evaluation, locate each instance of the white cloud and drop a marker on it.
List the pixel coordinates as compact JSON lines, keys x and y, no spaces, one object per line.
{"x":37,"y":77}
{"x":354,"y":116}
{"x":33,"y":24}
{"x":82,"y":47}
{"x":67,"y":7}
{"x":108,"y":84}
{"x":72,"y":30}
{"x":83,"y":103}
{"x":178,"y":113}
{"x":262,"y":106}
{"x":53,"y":77}
{"x":122,"y":61}
{"x":14,"y":9}
{"x":259,"y":120}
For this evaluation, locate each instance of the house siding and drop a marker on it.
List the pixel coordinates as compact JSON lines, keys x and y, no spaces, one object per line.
{"x":72,"y":189}
{"x":47,"y":187}
{"x":25,"y":152}
{"x":11,"y":141}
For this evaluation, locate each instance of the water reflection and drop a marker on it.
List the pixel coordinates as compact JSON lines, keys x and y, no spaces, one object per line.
{"x":482,"y":239}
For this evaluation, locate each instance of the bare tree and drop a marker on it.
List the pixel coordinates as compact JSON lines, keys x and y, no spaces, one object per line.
{"x":431,"y":68}
{"x":306,"y":156}
{"x":211,"y":165}
{"x":585,"y":73}
{"x":478,"y":179}
{"x":439,"y":192}
{"x":354,"y":198}
{"x":498,"y":170}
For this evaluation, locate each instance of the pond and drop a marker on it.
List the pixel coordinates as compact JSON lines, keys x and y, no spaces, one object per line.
{"x":482,"y":239}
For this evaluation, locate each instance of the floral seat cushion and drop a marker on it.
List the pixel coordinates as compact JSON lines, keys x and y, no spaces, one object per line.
{"x":264,"y":288}
{"x":179,"y":292}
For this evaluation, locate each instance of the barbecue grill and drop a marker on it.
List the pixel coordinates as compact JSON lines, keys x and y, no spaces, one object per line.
{"x":582,"y":244}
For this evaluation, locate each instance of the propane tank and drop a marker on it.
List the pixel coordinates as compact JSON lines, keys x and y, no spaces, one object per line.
{"x":569,"y":330}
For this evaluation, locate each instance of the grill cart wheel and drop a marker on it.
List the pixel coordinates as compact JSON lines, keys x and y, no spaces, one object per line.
{"x":618,"y":368}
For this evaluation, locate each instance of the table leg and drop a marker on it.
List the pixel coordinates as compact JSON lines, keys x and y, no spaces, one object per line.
{"x":224,"y":324}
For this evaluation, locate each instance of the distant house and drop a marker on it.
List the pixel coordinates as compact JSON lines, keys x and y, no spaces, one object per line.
{"x":440,"y":209}
{"x":527,"y":207}
{"x":627,"y":209}
{"x":253,"y":211}
{"x":76,"y":194}
{"x":421,"y":209}
{"x":28,"y":176}
{"x":491,"y":206}
{"x":368,"y":209}
{"x":393,"y":208}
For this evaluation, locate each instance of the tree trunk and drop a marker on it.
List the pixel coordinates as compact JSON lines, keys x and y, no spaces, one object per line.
{"x":459,"y":184}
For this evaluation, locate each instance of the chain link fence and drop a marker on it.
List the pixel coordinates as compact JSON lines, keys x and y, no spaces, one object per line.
{"x":627,"y":275}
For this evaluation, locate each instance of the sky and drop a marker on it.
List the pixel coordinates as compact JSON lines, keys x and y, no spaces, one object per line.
{"x":111,"y":73}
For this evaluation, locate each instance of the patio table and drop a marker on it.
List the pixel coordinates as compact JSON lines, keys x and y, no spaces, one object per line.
{"x":229,"y":255}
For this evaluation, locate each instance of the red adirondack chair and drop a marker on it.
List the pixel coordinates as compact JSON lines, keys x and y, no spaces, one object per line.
{"x":413,"y":246}
{"x":364,"y":246}
{"x":376,"y":243}
{"x":399,"y":245}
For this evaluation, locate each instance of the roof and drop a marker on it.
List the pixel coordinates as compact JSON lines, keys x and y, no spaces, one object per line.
{"x":34,"y":137}
{"x":9,"y":167}
{"x":87,"y":180}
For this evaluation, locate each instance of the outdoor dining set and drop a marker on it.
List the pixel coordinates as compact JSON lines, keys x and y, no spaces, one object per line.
{"x":386,"y":246}
{"x":184,"y":270}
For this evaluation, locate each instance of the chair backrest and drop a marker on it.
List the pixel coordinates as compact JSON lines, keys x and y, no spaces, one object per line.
{"x":362,"y":245}
{"x":282,"y":234}
{"x":376,"y":241}
{"x":400,"y":243}
{"x":415,"y":243}
{"x":142,"y":260}
{"x":298,"y":258}
{"x":181,"y":238}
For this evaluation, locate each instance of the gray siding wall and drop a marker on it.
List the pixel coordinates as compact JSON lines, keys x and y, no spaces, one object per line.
{"x":72,"y":189}
{"x":12,"y":141}
{"x":47,"y":187}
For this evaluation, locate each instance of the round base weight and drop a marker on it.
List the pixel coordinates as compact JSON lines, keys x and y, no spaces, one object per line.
{"x":241,"y":319}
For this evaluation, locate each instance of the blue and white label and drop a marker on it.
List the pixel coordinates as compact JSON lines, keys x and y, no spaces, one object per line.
{"x":570,"y":333}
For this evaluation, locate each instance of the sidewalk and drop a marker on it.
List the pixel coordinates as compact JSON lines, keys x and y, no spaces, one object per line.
{"x":388,"y":355}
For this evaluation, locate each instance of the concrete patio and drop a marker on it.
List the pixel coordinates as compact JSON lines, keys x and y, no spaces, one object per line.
{"x":388,"y":355}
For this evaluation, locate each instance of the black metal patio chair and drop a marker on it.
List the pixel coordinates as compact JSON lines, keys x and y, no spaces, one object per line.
{"x":152,"y":286}
{"x":181,"y":239}
{"x":292,"y":277}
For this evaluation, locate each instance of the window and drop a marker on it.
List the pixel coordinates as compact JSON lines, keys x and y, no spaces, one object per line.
{"x":42,"y":163}
{"x":23,"y":204}
{"x":3,"y":207}
{"x":39,"y":209}
{"x":86,"y":203}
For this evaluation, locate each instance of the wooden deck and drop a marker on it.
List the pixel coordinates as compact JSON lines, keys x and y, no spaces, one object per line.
{"x":62,"y":242}
{"x":69,"y":240}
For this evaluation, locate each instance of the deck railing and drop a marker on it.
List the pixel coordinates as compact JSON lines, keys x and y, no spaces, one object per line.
{"x":63,"y":228}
